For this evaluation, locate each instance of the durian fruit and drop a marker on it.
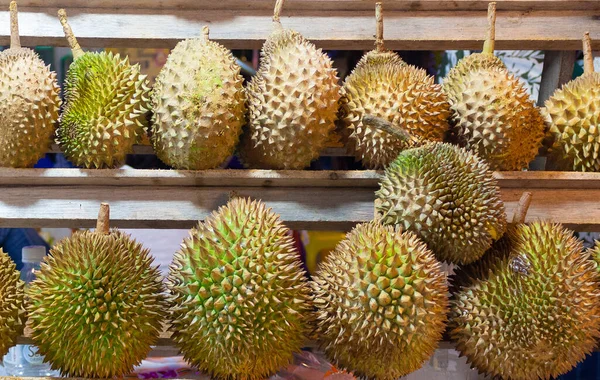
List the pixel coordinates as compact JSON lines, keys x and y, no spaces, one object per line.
{"x":240,"y":299}
{"x":492,"y":114}
{"x":383,"y":86}
{"x":199,"y":105}
{"x":12,"y":307}
{"x":530,"y":308}
{"x":446,"y":196}
{"x":29,"y":102}
{"x":574,"y":119}
{"x":97,"y":303}
{"x":292,"y":102}
{"x":106,"y":101}
{"x":381,"y":301}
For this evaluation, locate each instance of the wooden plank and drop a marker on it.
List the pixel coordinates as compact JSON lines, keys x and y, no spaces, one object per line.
{"x":348,"y":30}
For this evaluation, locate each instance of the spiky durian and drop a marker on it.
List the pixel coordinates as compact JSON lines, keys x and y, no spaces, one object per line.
{"x":530,"y":308}
{"x":381,"y":301}
{"x":29,"y":102}
{"x":492,"y":114}
{"x":106,"y":101}
{"x":292,"y":102}
{"x":239,"y":294}
{"x":447,"y":196}
{"x":12,"y":307}
{"x":574,"y":118}
{"x":199,"y":105}
{"x":385,"y":87}
{"x":97,"y":303}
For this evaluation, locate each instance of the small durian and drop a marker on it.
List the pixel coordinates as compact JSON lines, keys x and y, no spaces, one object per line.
{"x":530,"y":308}
{"x":199,"y":105}
{"x":12,"y":306}
{"x":292,"y":102}
{"x":385,"y":87}
{"x":381,"y":301}
{"x":445,"y":195}
{"x":574,"y":119}
{"x":29,"y":102}
{"x":97,"y":304}
{"x":492,"y":114}
{"x":240,"y":299}
{"x":106,"y":102}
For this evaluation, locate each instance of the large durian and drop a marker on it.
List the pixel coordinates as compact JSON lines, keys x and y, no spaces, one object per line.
{"x":29,"y":102}
{"x":381,"y":301}
{"x":106,"y":102}
{"x":530,"y":308}
{"x":292,"y":102}
{"x":12,"y":307}
{"x":492,"y":114}
{"x":447,"y":196}
{"x":199,"y":105}
{"x":97,"y":303}
{"x":240,"y":300}
{"x":385,"y":87}
{"x":574,"y":118}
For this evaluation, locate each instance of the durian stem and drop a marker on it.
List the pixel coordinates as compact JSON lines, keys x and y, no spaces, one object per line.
{"x":75,"y":48}
{"x":277,"y":14}
{"x":379,"y":30}
{"x":103,"y":223}
{"x":15,"y":41}
{"x":588,"y":57}
{"x":386,"y":126}
{"x":490,"y":37}
{"x":205,"y":32}
{"x":522,"y":208}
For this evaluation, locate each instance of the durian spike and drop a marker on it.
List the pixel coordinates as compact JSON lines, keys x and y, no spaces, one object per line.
{"x":386,"y":126}
{"x":522,"y":208}
{"x":205,"y":32}
{"x":15,"y":41}
{"x":588,"y":57}
{"x":277,"y":14}
{"x":75,"y":48}
{"x":490,"y":37}
{"x":103,"y":223}
{"x":379,"y":33}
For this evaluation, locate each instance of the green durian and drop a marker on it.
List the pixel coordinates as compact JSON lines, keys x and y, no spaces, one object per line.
{"x":292,"y":102}
{"x":530,"y":308}
{"x":573,"y":114}
{"x":240,"y":299}
{"x":445,"y":195}
{"x":381,"y":300}
{"x":29,"y":102}
{"x":106,"y":102}
{"x":97,"y":304}
{"x":12,"y":305}
{"x":385,"y":87}
{"x":492,"y":114}
{"x":199,"y":105}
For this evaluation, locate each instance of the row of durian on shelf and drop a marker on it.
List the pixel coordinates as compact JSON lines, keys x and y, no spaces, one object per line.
{"x":524,"y":302}
{"x":288,"y":111}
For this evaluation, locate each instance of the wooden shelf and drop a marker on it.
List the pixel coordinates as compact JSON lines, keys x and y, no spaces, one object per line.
{"x":323,"y":200}
{"x":331,"y":24}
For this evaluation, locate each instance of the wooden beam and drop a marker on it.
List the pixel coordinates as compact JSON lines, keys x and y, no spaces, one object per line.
{"x":344,"y":29}
{"x":558,"y":70}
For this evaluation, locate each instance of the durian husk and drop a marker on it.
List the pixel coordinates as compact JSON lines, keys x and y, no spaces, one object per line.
{"x":292,"y":104}
{"x":573,"y":115}
{"x":97,"y":305}
{"x":445,"y":195}
{"x":382,"y":85}
{"x":199,"y":106}
{"x":530,"y":308}
{"x":240,"y":299}
{"x":12,"y":306}
{"x":381,"y":301}
{"x":494,"y":117}
{"x":469,"y":64}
